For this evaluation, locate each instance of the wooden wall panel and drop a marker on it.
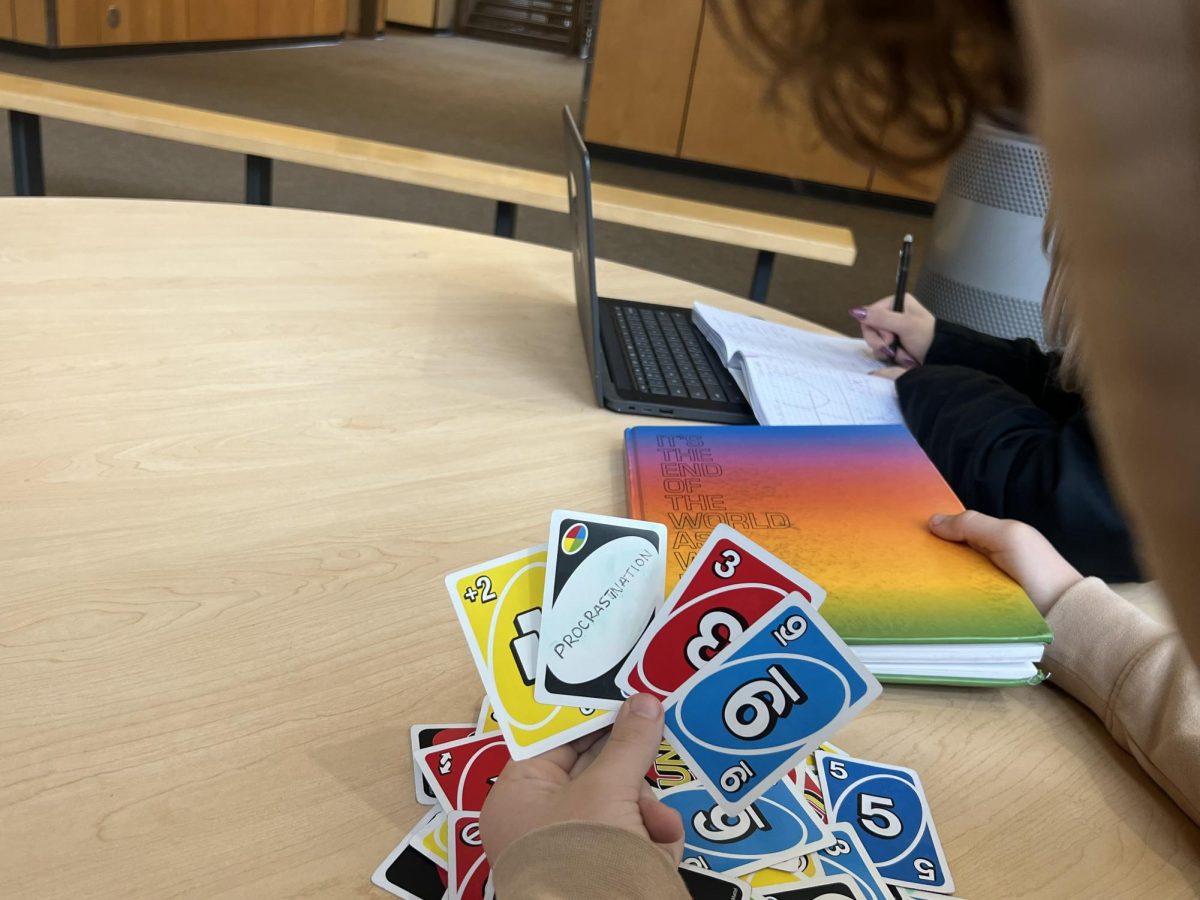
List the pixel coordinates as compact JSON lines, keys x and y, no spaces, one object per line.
{"x":642,"y":70}
{"x":79,"y":22}
{"x":88,"y":23}
{"x":419,"y":13}
{"x":29,"y":21}
{"x":329,"y":16}
{"x":732,"y":122}
{"x":286,"y":18}
{"x":149,"y":22}
{"x":7,"y":28}
{"x":218,"y":20}
{"x":925,"y":184}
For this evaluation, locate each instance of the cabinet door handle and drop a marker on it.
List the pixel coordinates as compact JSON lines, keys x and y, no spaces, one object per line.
{"x":112,"y":16}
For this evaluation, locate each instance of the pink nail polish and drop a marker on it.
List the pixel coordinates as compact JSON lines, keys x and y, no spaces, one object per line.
{"x":859,"y":312}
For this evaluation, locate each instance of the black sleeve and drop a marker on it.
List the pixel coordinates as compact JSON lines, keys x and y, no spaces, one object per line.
{"x":1004,"y":456}
{"x":1021,"y":364}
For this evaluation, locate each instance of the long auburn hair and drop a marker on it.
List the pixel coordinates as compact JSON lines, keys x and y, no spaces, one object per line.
{"x":895,"y":83}
{"x":898,"y":84}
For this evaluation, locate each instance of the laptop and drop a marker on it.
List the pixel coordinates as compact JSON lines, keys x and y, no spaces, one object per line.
{"x":645,"y":358}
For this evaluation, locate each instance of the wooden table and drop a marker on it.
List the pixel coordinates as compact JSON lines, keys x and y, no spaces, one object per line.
{"x":240,"y":448}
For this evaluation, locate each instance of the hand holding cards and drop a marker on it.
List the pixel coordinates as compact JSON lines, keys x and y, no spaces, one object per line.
{"x":752,"y":681}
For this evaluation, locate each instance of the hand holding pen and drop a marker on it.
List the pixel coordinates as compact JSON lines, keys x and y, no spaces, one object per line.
{"x":897,"y":328}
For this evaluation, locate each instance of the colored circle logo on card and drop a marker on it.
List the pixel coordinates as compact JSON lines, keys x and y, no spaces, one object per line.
{"x":574,"y":539}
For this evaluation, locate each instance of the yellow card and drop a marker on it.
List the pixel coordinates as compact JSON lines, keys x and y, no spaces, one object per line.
{"x":499,"y":605}
{"x":434,"y":840}
{"x":810,"y":761}
{"x":808,"y":868}
{"x":487,"y":718}
{"x":669,"y":769}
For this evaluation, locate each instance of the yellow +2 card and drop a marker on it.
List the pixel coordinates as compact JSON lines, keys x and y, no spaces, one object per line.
{"x":499,"y":605}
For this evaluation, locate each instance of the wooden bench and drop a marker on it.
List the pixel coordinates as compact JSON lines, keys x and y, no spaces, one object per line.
{"x":30,"y":99}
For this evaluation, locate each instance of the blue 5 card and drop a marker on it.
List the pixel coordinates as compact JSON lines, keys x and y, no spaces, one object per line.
{"x":886,"y":807}
{"x":777,"y":826}
{"x":845,"y":856}
{"x":766,"y":702}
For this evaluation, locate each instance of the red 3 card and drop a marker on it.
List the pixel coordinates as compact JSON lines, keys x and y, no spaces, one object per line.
{"x":730,"y":584}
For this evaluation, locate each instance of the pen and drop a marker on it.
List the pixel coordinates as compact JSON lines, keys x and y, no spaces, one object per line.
{"x":901,"y":283}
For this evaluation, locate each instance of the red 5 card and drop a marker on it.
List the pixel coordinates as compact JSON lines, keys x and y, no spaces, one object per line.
{"x":461,"y":773}
{"x":469,"y":868}
{"x":730,"y":584}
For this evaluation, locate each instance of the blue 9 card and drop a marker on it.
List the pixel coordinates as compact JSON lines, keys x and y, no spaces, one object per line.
{"x":766,"y":701}
{"x":886,"y":807}
{"x":777,"y":826}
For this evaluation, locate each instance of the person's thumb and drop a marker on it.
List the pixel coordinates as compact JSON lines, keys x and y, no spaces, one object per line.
{"x":984,"y":533}
{"x":663,"y":824}
{"x":633,"y":743}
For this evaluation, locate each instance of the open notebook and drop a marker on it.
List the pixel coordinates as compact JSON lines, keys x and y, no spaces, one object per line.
{"x":795,"y":377}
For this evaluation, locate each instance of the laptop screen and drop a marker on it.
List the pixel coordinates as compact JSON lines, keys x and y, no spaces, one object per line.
{"x":579,"y":196}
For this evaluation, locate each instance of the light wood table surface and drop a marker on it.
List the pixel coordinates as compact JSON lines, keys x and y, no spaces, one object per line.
{"x":240,"y":448}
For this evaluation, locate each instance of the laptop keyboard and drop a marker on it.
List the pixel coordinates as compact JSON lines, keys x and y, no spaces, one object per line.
{"x":665,"y":357}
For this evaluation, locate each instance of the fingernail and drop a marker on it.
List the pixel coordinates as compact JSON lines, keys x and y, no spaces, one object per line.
{"x":859,"y":312}
{"x":644,"y":705}
{"x":888,"y":351}
{"x":937,"y":519}
{"x":905,"y":359}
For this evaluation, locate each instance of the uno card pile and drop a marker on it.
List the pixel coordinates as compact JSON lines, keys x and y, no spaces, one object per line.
{"x":754,"y":683}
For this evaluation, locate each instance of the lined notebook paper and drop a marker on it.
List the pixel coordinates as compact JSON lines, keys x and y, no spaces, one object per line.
{"x":795,"y":377}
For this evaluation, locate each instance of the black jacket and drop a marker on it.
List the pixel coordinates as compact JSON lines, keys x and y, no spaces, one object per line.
{"x":1013,"y":444}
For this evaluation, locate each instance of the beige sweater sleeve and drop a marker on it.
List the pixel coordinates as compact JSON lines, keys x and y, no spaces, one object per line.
{"x":581,"y":861}
{"x":1137,"y":676}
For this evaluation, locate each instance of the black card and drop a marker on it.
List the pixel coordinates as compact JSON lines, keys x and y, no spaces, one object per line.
{"x":711,"y":886}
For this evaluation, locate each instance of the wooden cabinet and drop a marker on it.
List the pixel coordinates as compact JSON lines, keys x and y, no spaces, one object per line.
{"x":151,"y":22}
{"x":29,"y":21}
{"x":79,"y":23}
{"x":329,"y":16}
{"x":91,"y":23}
{"x":222,"y":20}
{"x":667,"y":80}
{"x":296,"y":18}
{"x":285,"y":18}
{"x":435,"y":14}
{"x":639,"y":88}
{"x":733,"y":120}
{"x":7,"y":26}
{"x":88,"y":23}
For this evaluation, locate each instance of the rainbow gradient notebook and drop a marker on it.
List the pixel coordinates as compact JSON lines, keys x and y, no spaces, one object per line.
{"x":847,"y":506}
